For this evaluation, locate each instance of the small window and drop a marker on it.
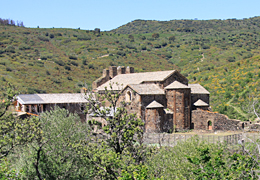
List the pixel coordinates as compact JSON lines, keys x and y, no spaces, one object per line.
{"x":209,"y":125}
{"x":128,"y":97}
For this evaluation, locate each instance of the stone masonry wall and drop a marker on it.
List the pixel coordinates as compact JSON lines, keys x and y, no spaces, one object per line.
{"x":200,"y":121}
{"x":147,"y":99}
{"x":196,"y":97}
{"x":178,"y":101}
{"x":175,"y":76}
{"x":154,"y":120}
{"x":134,"y":106}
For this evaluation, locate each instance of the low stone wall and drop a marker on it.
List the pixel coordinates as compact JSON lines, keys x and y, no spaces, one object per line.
{"x":255,"y":126}
{"x":202,"y":120}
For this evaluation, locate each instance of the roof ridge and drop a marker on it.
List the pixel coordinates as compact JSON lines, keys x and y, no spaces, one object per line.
{"x":154,"y":104}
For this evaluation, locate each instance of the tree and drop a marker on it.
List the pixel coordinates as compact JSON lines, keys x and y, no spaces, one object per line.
{"x":53,"y":154}
{"x":213,"y":165}
{"x":253,"y":106}
{"x":131,"y":38}
{"x":155,"y":35}
{"x":171,"y":38}
{"x":14,"y":131}
{"x":121,"y":147}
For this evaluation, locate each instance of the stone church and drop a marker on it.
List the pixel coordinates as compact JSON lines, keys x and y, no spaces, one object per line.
{"x":163,"y":99}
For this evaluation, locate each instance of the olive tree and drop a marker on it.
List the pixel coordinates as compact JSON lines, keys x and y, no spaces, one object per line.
{"x":121,"y":146}
{"x":14,"y":131}
{"x":53,"y":154}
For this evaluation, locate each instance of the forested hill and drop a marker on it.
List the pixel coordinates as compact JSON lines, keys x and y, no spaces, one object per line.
{"x":222,"y":55}
{"x":195,"y":26}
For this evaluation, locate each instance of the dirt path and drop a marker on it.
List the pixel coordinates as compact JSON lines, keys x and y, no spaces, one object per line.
{"x":106,"y":55}
{"x":202,"y":59}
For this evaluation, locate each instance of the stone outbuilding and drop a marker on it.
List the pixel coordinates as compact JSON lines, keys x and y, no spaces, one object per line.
{"x":35,"y":104}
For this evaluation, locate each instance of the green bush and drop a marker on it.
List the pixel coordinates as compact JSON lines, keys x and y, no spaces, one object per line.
{"x":10,"y":49}
{"x":157,"y":46}
{"x":205,"y":47}
{"x":121,"y":53}
{"x":74,"y":63}
{"x":67,"y":68}
{"x":73,"y":57}
{"x":83,"y":38}
{"x":42,"y":38}
{"x":24,"y":47}
{"x":59,"y":62}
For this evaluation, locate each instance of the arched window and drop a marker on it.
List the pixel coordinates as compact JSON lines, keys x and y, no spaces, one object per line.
{"x":128,"y":96}
{"x":209,"y":125}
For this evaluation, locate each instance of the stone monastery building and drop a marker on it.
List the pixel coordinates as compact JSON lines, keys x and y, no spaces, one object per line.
{"x":164,"y":99}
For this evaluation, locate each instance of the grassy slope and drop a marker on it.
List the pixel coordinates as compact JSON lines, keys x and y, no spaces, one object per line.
{"x":221,"y":55}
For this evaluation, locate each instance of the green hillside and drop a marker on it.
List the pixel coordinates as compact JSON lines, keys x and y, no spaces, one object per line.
{"x":222,"y":55}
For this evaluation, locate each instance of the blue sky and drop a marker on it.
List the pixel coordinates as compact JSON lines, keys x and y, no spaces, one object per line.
{"x":110,"y":14}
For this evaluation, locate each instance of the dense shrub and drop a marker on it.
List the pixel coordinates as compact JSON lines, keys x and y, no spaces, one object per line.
{"x":43,"y":58}
{"x":172,"y":38}
{"x":74,"y":63}
{"x":129,"y":46}
{"x":42,"y":38}
{"x":155,"y":35}
{"x":121,"y":53}
{"x":143,"y":47}
{"x":67,"y":41}
{"x":73,"y":57}
{"x":164,"y":44}
{"x":10,"y":49}
{"x":59,"y":62}
{"x":205,"y":47}
{"x":143,"y":37}
{"x":67,"y":68}
{"x":8,"y":69}
{"x":83,"y":38}
{"x":58,"y":34}
{"x":157,"y":46}
{"x":231,"y":59}
{"x":24,"y":47}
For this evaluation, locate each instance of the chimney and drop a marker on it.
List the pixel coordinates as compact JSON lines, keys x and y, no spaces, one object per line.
{"x":120,"y":70}
{"x":112,"y":71}
{"x":105,"y":73}
{"x":129,"y":70}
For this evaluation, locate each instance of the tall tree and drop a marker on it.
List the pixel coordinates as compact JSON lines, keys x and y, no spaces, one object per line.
{"x":14,"y":131}
{"x":53,"y":155}
{"x":121,"y":146}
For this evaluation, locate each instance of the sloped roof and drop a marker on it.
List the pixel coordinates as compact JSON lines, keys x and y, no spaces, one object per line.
{"x":120,"y":81}
{"x":147,"y":89}
{"x":198,"y":89}
{"x":168,"y":111}
{"x":176,"y":85}
{"x":51,"y":98}
{"x":154,"y":104}
{"x":200,"y":103}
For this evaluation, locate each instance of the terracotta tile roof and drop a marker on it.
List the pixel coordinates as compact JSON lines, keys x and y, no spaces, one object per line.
{"x":198,"y":89}
{"x":200,"y":103}
{"x":176,"y":85}
{"x":154,"y":104}
{"x":51,"y":98}
{"x":147,"y":89}
{"x":120,"y":81}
